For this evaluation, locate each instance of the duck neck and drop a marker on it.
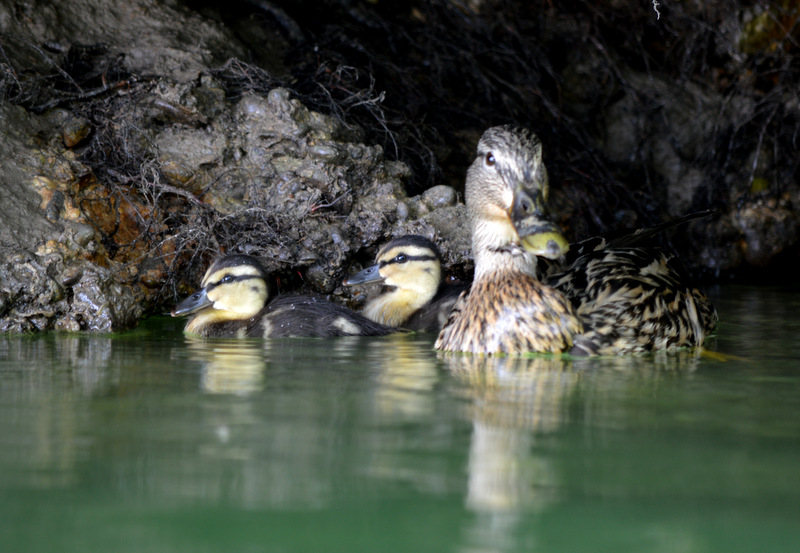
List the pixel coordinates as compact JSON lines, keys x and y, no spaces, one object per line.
{"x":394,"y":308}
{"x":205,"y":322}
{"x":495,"y":249}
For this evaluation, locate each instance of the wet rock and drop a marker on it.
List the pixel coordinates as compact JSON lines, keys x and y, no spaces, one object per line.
{"x":440,"y":196}
{"x":672,"y":145}
{"x":101,"y":304}
{"x":75,"y":130}
{"x":766,"y":231}
{"x":55,"y":217}
{"x":309,"y":194}
{"x":148,"y":38}
{"x":70,"y":276}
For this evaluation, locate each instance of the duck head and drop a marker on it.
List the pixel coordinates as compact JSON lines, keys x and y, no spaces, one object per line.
{"x":411,"y":266}
{"x":506,"y":191}
{"x":233,"y":288}
{"x":407,"y":262}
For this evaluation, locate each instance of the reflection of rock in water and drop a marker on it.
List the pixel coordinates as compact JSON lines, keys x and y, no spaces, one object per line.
{"x":229,"y":366}
{"x":513,"y":400}
{"x":43,"y":427}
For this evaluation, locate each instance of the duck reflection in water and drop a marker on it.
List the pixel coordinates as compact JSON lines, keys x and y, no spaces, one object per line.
{"x":229,"y":366}
{"x":515,"y":402}
{"x":407,"y":379}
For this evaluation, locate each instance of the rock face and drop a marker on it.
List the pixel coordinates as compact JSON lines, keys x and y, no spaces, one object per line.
{"x":262,"y":175}
{"x":113,"y":207}
{"x":133,"y":152}
{"x":55,"y":272}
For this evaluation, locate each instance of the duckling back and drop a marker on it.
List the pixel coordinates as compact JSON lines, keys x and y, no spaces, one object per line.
{"x":309,"y":316}
{"x":432,"y":316}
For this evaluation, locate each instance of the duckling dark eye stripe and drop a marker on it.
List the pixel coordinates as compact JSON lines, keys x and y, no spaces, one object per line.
{"x":236,"y":278}
{"x":409,"y":258}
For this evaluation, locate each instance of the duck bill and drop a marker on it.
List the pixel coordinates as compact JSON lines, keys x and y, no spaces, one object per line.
{"x":365,"y":276}
{"x":194,"y":303}
{"x":537,"y":233}
{"x":542,"y":238}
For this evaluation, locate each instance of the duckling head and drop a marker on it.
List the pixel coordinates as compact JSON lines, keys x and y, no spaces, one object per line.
{"x":233,"y":288}
{"x":506,"y":190}
{"x":412,"y":266}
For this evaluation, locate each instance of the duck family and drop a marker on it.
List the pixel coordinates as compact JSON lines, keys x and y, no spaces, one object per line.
{"x":532,"y":291}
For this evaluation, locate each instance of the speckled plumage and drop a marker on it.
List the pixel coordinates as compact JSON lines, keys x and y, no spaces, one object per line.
{"x":633,"y":299}
{"x":512,"y":313}
{"x":232,"y":303}
{"x":615,"y":296}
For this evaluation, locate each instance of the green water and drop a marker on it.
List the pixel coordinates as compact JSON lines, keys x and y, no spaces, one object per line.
{"x":148,"y":442}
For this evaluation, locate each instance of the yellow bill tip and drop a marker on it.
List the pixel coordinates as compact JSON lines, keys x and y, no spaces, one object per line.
{"x":551,"y":245}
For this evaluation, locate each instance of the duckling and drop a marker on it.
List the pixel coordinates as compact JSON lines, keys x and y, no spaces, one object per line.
{"x":617,"y":299}
{"x":411,"y":266}
{"x":232,"y":303}
{"x":633,"y":297}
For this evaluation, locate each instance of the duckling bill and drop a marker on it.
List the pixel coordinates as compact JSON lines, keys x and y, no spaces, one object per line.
{"x":411,"y":268}
{"x":632,"y":296}
{"x":232,"y":303}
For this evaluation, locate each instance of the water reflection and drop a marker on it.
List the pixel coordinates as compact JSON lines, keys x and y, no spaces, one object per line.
{"x":41,"y":436}
{"x":152,"y":433}
{"x":513,"y":402}
{"x":406,"y":378}
{"x":81,"y":361}
{"x":229,"y":366}
{"x":651,"y":365}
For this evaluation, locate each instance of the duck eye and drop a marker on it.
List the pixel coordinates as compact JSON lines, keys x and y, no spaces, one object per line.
{"x":226,"y":279}
{"x":489,"y":160}
{"x":401,"y":258}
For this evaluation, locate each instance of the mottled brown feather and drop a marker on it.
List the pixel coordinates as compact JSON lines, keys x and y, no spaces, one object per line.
{"x":511,"y":313}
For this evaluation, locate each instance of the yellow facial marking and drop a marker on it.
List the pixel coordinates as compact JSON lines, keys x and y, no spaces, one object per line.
{"x":237,"y":292}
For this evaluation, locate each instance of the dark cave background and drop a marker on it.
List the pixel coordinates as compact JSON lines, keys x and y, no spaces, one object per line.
{"x":424,"y":79}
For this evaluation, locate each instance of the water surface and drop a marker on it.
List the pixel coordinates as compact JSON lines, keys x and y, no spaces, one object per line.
{"x":152,"y":442}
